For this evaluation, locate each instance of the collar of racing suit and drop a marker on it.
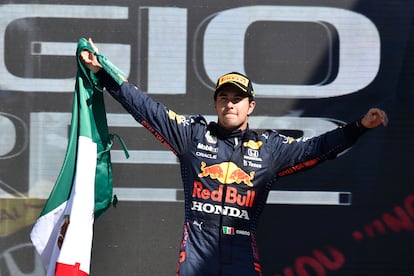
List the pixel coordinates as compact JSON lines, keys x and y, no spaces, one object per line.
{"x":222,"y":133}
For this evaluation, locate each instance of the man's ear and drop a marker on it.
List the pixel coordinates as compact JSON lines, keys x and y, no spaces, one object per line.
{"x":252,"y":105}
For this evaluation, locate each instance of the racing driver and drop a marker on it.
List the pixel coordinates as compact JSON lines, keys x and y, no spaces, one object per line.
{"x":227,"y":169}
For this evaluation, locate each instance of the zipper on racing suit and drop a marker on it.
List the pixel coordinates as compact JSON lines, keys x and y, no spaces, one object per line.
{"x":236,"y":146}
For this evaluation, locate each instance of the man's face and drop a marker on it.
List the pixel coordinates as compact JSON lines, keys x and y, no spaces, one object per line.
{"x":233,"y":108}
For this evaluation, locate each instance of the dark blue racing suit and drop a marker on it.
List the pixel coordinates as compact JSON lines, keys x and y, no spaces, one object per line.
{"x":226,"y":176}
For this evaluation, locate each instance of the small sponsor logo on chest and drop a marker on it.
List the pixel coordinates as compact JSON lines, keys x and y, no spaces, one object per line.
{"x":251,"y":158}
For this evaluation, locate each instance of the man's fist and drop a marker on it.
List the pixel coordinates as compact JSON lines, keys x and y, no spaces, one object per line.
{"x":374,"y":118}
{"x":89,"y":59}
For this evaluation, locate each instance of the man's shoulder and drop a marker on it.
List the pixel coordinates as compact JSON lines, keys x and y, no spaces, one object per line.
{"x":198,"y":119}
{"x":267,"y":133}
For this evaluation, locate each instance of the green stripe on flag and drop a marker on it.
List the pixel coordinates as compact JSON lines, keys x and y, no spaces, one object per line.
{"x":88,"y":102}
{"x":97,"y":130}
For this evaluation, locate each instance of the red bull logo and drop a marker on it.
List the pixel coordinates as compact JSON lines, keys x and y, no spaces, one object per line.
{"x":227,"y":173}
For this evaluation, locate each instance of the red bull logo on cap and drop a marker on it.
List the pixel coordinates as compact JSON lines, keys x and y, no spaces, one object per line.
{"x":226,"y":173}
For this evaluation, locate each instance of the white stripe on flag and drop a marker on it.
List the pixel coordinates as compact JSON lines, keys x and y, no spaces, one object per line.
{"x":76,"y":248}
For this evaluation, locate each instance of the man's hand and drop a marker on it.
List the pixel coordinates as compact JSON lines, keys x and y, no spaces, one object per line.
{"x":374,"y":118}
{"x":89,"y":59}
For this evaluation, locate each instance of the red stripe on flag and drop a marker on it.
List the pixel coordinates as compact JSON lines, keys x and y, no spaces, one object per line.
{"x":72,"y":270}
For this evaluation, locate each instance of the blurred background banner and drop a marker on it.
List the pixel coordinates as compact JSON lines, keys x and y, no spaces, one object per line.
{"x":314,"y":64}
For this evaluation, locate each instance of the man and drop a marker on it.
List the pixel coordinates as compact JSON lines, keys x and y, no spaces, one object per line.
{"x":227,"y":169}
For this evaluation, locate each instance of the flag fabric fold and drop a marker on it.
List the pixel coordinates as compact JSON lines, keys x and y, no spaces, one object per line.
{"x":63,"y":233}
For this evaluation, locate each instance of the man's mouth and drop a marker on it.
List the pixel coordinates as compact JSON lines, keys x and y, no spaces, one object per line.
{"x":230,"y":114}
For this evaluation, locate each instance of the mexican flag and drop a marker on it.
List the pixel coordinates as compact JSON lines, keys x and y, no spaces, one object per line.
{"x":63,"y":233}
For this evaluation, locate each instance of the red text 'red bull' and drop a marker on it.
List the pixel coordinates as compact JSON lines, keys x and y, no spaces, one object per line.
{"x":232,"y":195}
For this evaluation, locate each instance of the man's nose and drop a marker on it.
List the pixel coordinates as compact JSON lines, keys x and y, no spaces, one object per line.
{"x":230,"y":103}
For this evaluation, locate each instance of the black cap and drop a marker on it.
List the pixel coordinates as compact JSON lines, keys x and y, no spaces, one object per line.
{"x":236,"y":79}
